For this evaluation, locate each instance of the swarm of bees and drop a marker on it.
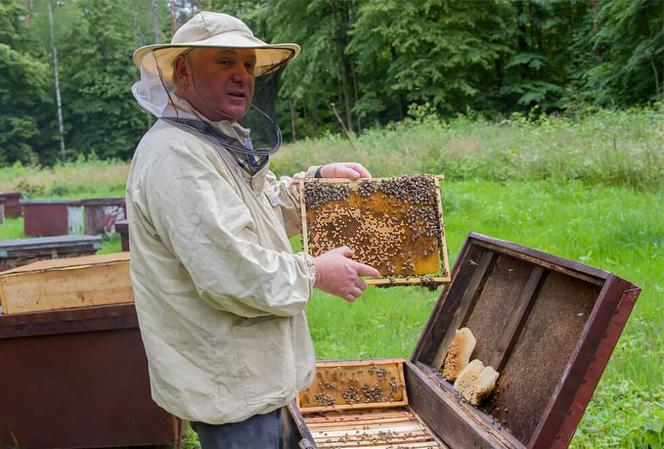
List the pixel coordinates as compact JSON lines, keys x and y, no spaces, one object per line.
{"x":392,"y":224}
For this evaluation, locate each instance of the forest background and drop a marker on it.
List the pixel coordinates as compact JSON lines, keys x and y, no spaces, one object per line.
{"x":377,"y":61}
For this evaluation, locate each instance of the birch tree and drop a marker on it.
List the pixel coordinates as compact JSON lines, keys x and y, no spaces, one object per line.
{"x":56,"y":81}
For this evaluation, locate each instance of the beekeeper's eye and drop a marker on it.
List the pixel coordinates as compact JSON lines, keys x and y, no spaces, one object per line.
{"x":250,"y":65}
{"x":225,"y":62}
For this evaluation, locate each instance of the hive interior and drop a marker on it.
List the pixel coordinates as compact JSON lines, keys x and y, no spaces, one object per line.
{"x":392,"y":224}
{"x":364,"y":405}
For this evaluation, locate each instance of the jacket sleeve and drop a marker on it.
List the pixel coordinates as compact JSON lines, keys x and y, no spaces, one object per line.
{"x":285,"y":194}
{"x":205,"y":223}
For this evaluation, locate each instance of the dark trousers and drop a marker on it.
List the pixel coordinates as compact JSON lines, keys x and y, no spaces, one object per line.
{"x":257,"y":432}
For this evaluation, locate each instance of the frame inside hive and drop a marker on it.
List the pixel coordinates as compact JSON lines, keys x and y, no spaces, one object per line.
{"x":362,"y":403}
{"x":392,"y":224}
{"x":343,"y":385}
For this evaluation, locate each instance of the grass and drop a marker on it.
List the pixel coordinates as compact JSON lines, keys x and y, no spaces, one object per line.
{"x":74,"y":180}
{"x":588,"y":189}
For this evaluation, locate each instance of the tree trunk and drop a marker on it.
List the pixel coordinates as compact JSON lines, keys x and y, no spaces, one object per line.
{"x":174,"y":17}
{"x":155,"y":22}
{"x":28,"y":17}
{"x":56,"y":79}
{"x":292,"y":117}
{"x":314,"y":114}
{"x":353,"y":76}
{"x":345,"y":96}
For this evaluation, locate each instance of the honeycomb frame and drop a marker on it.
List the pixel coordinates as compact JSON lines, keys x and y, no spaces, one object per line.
{"x":406,"y":217}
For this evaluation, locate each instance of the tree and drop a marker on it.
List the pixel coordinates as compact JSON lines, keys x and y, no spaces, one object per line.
{"x":56,"y":79}
{"x":23,"y":89}
{"x":630,"y":34}
{"x":440,"y":52}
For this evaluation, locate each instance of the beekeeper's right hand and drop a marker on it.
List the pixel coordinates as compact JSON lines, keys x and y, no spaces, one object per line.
{"x":339,"y":275}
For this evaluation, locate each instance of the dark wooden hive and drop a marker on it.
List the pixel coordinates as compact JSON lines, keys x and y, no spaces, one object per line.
{"x":547,"y":324}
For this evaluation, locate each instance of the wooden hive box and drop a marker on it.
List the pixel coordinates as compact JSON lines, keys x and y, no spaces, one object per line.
{"x":66,"y":283}
{"x":547,"y":324}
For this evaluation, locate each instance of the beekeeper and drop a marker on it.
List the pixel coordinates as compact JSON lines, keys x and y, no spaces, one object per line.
{"x":219,"y":293}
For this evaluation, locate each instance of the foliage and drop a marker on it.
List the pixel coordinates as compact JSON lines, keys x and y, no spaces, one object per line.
{"x":23,"y":88}
{"x":374,"y":59}
{"x":630,"y":40}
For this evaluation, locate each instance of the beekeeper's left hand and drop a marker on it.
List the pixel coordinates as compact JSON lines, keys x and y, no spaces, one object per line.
{"x":349,"y":170}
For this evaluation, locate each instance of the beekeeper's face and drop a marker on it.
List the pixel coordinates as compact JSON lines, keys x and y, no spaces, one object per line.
{"x":218,"y":82}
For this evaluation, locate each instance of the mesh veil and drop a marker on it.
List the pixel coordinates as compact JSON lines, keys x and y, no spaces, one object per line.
{"x":155,"y":93}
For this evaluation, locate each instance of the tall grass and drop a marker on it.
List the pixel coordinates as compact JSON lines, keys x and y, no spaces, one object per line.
{"x":72,"y":179}
{"x":600,"y":148}
{"x":606,"y":147}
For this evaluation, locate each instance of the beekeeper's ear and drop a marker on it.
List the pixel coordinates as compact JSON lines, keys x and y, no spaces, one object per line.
{"x":181,"y":72}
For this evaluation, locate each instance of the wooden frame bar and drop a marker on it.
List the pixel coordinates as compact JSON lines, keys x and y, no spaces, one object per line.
{"x":517,"y":317}
{"x":439,"y":406}
{"x":461,"y":312}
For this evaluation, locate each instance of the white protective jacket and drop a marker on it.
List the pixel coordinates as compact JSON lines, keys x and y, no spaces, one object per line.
{"x":219,"y":294}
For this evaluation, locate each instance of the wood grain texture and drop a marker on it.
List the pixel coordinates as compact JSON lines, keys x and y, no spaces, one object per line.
{"x":515,"y":320}
{"x":66,"y":283}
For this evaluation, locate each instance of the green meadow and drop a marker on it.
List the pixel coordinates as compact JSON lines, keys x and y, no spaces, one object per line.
{"x":588,"y":188}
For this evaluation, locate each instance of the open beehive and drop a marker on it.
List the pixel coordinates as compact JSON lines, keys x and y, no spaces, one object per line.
{"x":393,"y":224}
{"x":546,"y":324}
{"x":363,"y":404}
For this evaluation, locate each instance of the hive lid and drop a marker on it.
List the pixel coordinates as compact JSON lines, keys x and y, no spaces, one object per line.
{"x":52,"y":201}
{"x":9,"y":247}
{"x":107,"y":201}
{"x":68,"y":263}
{"x":547,"y":324}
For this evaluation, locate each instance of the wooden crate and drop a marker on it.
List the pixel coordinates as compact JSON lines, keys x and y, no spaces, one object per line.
{"x":393,"y":224}
{"x":65,"y":283}
{"x":547,"y":324}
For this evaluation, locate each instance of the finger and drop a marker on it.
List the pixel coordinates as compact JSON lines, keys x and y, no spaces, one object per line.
{"x":366,"y":270}
{"x":360,"y":283}
{"x":346,"y":172}
{"x":349,"y":297}
{"x":364,"y":173}
{"x":356,"y":292}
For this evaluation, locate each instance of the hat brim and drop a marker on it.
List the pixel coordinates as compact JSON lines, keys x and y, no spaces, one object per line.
{"x":268,"y":56}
